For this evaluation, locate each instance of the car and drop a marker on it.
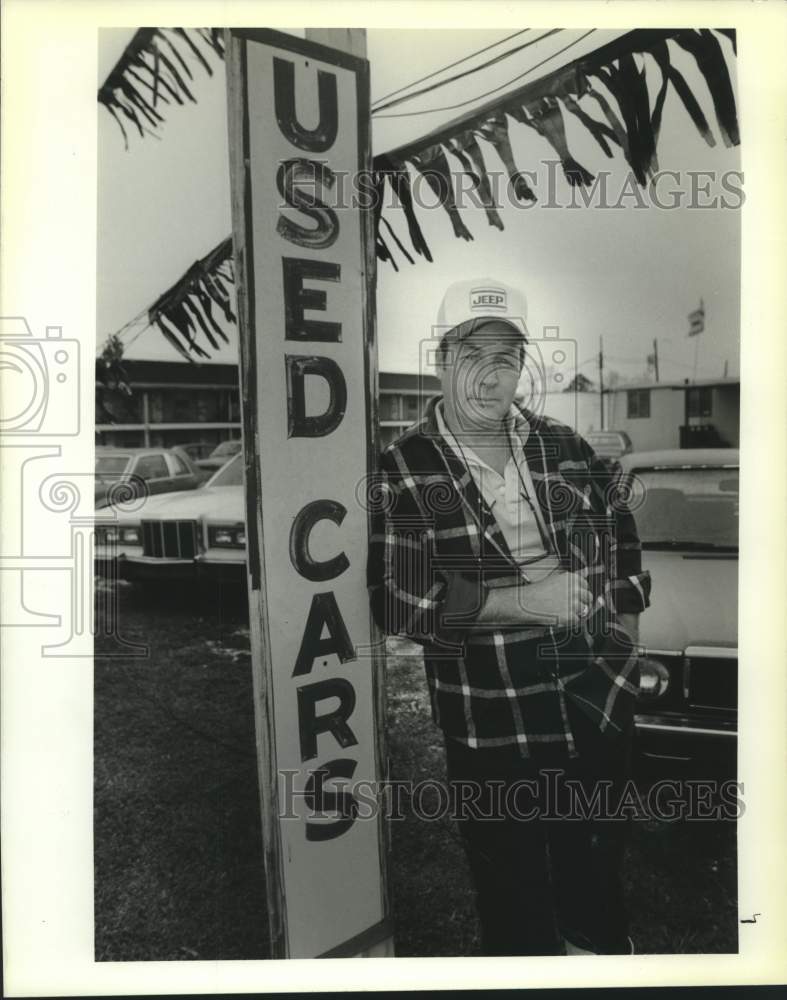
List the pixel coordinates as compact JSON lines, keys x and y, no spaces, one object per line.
{"x":197,"y":450}
{"x":685,"y":504}
{"x":142,"y":471}
{"x":611,"y":445}
{"x":219,"y":455}
{"x":196,"y":536}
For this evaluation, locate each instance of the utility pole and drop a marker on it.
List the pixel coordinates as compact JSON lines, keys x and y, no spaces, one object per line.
{"x":656,"y":357}
{"x":352,"y":40}
{"x":726,"y":363}
{"x":601,"y":378}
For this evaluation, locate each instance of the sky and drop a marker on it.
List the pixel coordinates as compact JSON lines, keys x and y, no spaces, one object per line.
{"x":628,"y":274}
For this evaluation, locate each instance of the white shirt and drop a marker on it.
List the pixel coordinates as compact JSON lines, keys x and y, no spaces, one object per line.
{"x":520,"y":521}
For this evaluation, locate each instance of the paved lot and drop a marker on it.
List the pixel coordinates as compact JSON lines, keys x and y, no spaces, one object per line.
{"x":177,"y":833}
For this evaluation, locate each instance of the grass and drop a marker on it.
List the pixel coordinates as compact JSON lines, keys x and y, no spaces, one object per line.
{"x":178,"y":860}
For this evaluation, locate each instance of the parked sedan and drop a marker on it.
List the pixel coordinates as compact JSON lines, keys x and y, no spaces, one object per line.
{"x":687,"y":515}
{"x":197,"y":450}
{"x":143,"y":470}
{"x":190,"y":536}
{"x":220,"y":455}
{"x":609,"y":444}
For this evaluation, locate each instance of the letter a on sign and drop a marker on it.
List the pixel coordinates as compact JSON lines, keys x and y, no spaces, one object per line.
{"x":299,"y":119}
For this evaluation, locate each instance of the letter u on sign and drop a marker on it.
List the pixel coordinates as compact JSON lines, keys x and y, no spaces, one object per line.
{"x":316,"y":140}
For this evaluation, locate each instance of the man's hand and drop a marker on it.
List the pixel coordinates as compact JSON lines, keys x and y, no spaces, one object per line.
{"x":564,"y":596}
{"x":562,"y":599}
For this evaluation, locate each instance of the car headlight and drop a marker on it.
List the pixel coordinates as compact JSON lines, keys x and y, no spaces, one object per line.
{"x":227,"y":536}
{"x":654,"y":679}
{"x":120,"y":534}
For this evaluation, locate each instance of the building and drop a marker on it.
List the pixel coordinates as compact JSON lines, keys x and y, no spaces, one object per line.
{"x":579,"y":408}
{"x":402,"y":400}
{"x":171,"y":403}
{"x":175,"y":403}
{"x":700,"y":414}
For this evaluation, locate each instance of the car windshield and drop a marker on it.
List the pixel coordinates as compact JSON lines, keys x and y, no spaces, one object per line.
{"x":230,"y":474}
{"x":225,"y":449}
{"x":111,"y":465}
{"x":693,"y":508}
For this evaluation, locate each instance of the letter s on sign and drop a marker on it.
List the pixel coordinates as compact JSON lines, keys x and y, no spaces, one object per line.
{"x":319,"y":800}
{"x":293,"y":179}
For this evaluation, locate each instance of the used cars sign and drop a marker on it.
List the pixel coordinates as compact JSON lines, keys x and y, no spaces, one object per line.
{"x":299,"y":115}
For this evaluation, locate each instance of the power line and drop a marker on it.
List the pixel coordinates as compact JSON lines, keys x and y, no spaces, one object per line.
{"x":478,"y":97}
{"x":138,"y":335}
{"x":458,"y":62}
{"x":141,"y":316}
{"x":467,"y":72}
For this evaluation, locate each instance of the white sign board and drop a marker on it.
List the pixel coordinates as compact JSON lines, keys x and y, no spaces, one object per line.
{"x":299,"y":127}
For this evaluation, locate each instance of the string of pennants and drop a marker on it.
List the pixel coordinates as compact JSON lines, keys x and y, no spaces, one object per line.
{"x":153,"y":71}
{"x":626,"y":123}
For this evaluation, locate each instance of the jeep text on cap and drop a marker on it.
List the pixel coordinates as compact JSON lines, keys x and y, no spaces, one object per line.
{"x":488,"y":298}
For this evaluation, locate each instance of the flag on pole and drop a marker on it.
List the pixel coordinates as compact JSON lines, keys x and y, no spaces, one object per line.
{"x":697,"y":320}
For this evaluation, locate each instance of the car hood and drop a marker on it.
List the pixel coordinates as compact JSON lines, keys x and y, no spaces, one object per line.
{"x":694,"y":600}
{"x":215,"y":502}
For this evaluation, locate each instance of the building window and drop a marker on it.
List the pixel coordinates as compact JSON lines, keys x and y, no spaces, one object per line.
{"x":188,"y":406}
{"x":390,"y":407}
{"x":699,"y":401}
{"x":412,"y":408}
{"x":115,"y":407}
{"x":638,"y":403}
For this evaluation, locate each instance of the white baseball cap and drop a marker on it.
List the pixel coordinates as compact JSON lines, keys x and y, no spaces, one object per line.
{"x":469,"y":304}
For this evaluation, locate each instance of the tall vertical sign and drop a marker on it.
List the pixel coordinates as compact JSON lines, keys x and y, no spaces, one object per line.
{"x":299,"y":138}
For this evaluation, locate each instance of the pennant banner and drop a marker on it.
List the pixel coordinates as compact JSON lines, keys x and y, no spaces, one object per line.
{"x":153,"y":72}
{"x":186,"y":309}
{"x":605,"y":91}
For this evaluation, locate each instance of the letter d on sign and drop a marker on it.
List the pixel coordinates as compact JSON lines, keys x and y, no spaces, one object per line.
{"x":298,"y":423}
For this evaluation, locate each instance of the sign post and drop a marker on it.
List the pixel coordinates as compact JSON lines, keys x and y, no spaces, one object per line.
{"x":305,"y":269}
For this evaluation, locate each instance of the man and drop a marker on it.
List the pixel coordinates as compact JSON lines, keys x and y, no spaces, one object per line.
{"x":501,"y":545}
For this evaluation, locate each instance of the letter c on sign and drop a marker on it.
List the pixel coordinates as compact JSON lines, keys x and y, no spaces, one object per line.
{"x":307,"y":517}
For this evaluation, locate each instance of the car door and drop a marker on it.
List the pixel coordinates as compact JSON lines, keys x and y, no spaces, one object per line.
{"x":183,"y":474}
{"x":154,"y":471}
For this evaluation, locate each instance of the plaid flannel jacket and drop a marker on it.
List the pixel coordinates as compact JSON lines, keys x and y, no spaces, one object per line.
{"x":434,"y":540}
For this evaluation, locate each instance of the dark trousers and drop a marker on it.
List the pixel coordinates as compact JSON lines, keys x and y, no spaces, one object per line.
{"x":544,"y":857}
